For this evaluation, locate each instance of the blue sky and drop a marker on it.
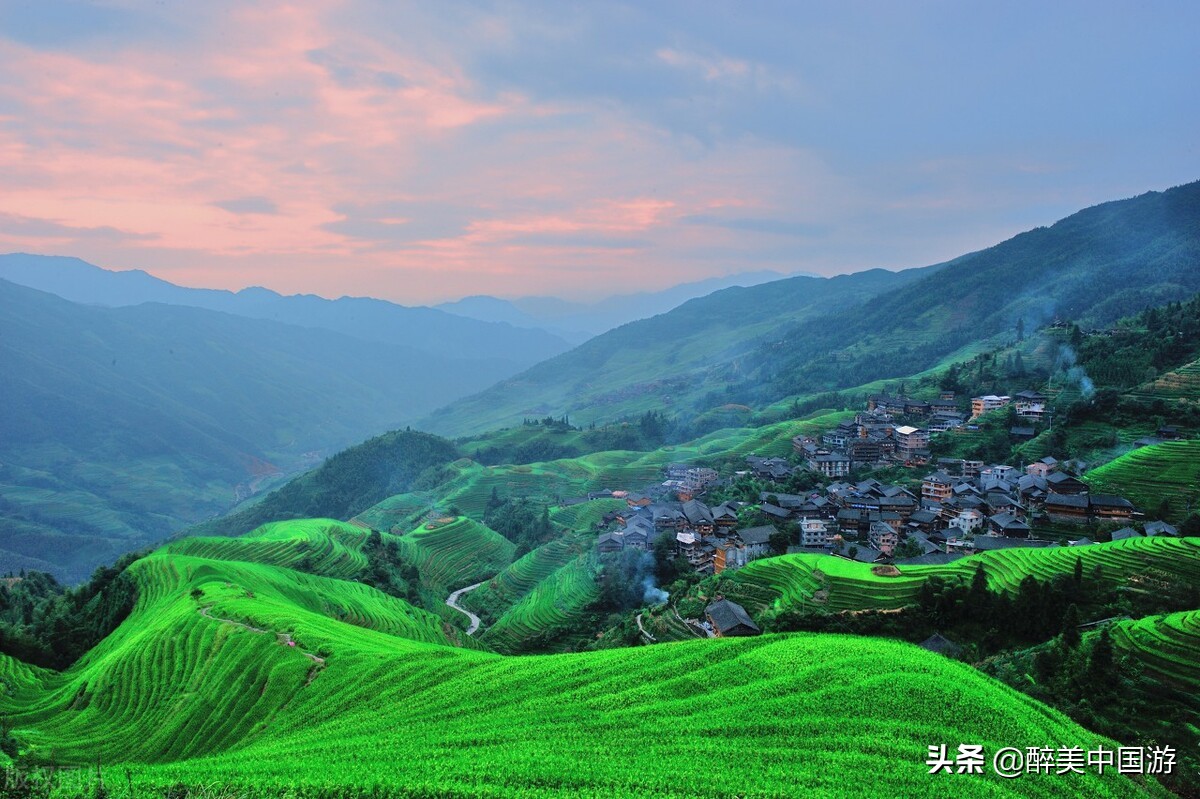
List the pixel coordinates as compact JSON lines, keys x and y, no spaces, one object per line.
{"x":422,"y":152}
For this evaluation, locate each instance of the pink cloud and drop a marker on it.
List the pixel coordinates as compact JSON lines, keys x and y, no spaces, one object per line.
{"x":286,"y":103}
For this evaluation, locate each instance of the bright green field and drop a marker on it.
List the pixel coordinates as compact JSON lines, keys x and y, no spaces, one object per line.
{"x":825,"y":582}
{"x":520,"y":577}
{"x":549,"y":607}
{"x":331,"y":547}
{"x":182,"y":692}
{"x":455,"y":554}
{"x":1148,"y":475}
{"x":1180,"y":384}
{"x":1167,"y":646}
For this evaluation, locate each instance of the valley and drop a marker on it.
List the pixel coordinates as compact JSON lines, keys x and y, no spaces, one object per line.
{"x":983,"y":541}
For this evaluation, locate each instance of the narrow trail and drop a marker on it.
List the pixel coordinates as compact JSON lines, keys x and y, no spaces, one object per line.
{"x":285,"y":639}
{"x":452,"y":601}
{"x":688,"y":625}
{"x":649,"y":637}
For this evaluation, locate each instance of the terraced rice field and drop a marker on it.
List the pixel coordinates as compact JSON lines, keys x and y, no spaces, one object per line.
{"x":455,"y":554}
{"x":826,"y":582}
{"x":818,"y":582}
{"x":1181,"y":384}
{"x":183,"y":694}
{"x":326,"y":546}
{"x":1166,"y":646}
{"x":1146,"y":476}
{"x":551,"y":606}
{"x":398,"y":514}
{"x":520,"y":577}
{"x":201,"y":686}
{"x":585,"y":516}
{"x":470,"y":484}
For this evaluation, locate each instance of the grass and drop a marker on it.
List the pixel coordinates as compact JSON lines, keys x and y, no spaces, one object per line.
{"x":519,"y":578}
{"x":586,"y":515}
{"x":456,"y":553}
{"x":826,"y":582}
{"x":1149,"y":476}
{"x":1166,"y":646}
{"x":323,"y":546}
{"x":1182,"y":384}
{"x":181,"y":693}
{"x":548,"y":610}
{"x":399,"y":513}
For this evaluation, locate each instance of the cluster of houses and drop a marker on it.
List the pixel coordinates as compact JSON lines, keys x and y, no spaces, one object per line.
{"x":962,"y":508}
{"x":876,"y":437}
{"x":709,"y":537}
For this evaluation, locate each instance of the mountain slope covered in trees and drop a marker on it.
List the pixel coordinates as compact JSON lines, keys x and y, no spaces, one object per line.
{"x":121,"y":425}
{"x":804,"y":335}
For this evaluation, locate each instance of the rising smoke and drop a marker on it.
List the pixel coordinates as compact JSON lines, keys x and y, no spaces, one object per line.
{"x":1076,"y":375}
{"x":651,"y":593}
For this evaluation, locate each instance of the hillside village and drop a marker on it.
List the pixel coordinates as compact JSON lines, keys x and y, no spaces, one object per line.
{"x":958,"y":507}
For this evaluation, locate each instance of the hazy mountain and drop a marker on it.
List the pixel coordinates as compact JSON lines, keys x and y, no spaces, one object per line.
{"x":663,"y":361}
{"x":436,"y":332}
{"x":582,"y":319}
{"x":807,"y":335}
{"x":119,"y":425}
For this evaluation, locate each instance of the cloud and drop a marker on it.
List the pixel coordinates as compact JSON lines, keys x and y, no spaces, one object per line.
{"x":582,"y":241}
{"x":249,"y":205}
{"x":401,"y":221}
{"x":778,"y":227}
{"x":418,"y":152}
{"x":14,"y":226}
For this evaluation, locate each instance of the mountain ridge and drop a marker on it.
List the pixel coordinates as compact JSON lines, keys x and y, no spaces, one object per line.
{"x":1095,"y":266}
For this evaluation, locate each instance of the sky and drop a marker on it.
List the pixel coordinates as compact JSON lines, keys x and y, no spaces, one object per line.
{"x":422,"y":152}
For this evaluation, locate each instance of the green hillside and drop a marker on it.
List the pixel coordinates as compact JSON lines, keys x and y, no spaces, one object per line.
{"x":452,"y":553}
{"x":351,"y":481}
{"x":1164,"y":476}
{"x":550,"y":610}
{"x":123,"y":425}
{"x":666,"y":362}
{"x":202,"y":686}
{"x":321,"y":546}
{"x":737,"y":346}
{"x":825,"y":582}
{"x":1167,"y":646}
{"x":1182,"y":385}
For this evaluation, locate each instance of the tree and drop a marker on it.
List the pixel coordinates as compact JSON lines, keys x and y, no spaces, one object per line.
{"x":1070,"y":628}
{"x":1100,"y":664}
{"x":779,"y":542}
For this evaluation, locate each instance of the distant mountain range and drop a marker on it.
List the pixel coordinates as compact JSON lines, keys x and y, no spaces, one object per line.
{"x":153,"y":406}
{"x":801,"y":336}
{"x":427,"y":329}
{"x":121,"y":425}
{"x":577,"y":321}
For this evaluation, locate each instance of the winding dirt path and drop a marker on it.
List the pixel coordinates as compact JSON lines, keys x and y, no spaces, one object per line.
{"x":284,"y":638}
{"x":649,"y":637}
{"x":688,"y":625}
{"x":452,"y":601}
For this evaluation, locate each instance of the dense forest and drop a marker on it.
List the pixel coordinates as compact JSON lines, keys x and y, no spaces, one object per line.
{"x":43,"y":623}
{"x":345,"y":484}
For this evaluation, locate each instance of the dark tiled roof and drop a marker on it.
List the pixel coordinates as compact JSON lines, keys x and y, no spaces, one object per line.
{"x":942,"y":645}
{"x":757,"y":535}
{"x":728,"y":616}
